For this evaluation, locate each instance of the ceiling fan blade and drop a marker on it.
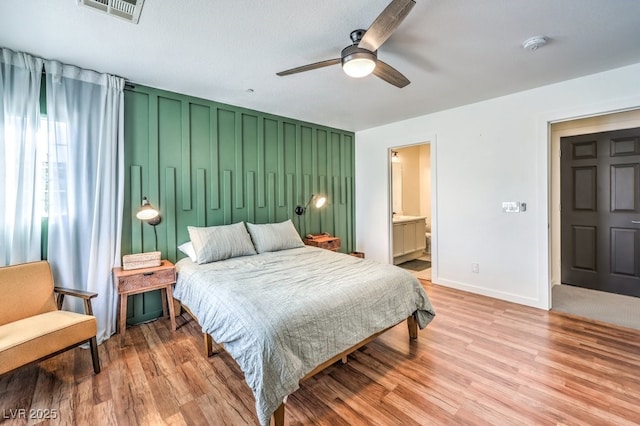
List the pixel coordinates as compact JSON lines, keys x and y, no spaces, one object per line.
{"x":390,"y":74}
{"x":310,"y":67}
{"x":385,"y":24}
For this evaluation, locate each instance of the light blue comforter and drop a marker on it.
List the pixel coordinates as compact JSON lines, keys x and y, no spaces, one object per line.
{"x":281,"y":314}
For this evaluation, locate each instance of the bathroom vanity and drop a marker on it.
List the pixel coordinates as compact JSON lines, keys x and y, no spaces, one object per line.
{"x":409,"y":241}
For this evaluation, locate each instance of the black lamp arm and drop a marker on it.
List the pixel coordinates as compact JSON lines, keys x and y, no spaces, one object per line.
{"x":300,"y":210}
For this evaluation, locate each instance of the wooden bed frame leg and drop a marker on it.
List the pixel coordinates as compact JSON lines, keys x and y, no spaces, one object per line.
{"x":412,"y":324}
{"x":208,"y":345}
{"x":278,"y":416}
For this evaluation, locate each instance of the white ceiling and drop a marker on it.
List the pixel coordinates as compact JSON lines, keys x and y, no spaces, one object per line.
{"x":454,"y":52}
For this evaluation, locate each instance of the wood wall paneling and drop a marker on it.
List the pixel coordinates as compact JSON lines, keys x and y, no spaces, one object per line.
{"x":213,"y":158}
{"x":170,"y":209}
{"x":203,"y":163}
{"x":185,"y":156}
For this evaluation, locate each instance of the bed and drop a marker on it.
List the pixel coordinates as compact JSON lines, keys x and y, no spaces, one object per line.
{"x":283,"y":314}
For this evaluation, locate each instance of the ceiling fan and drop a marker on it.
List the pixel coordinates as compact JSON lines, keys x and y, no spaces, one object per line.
{"x":361,"y":58}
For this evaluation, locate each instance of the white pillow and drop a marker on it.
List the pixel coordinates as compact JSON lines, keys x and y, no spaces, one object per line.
{"x":187,"y":248}
{"x":274,"y":236}
{"x":215,"y":243}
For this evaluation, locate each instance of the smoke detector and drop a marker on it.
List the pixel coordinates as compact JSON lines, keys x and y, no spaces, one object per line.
{"x":125,"y":9}
{"x":533,"y":43}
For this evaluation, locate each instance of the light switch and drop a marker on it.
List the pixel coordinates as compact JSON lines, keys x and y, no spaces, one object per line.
{"x":510,"y":206}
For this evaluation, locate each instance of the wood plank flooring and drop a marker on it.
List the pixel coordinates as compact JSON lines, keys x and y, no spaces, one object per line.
{"x":480,"y":362}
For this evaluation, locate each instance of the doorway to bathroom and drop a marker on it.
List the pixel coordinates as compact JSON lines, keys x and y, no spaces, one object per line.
{"x":411,"y":208}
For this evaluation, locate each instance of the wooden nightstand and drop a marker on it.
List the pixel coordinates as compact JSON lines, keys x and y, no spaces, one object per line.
{"x":325,"y":241}
{"x":141,"y":280}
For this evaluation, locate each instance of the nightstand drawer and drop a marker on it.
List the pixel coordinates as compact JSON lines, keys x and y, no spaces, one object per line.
{"x":332,"y":245}
{"x":146,"y":280}
{"x":324,"y":242}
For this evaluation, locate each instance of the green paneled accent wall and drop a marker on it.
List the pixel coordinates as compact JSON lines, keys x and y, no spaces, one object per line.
{"x":204,"y":163}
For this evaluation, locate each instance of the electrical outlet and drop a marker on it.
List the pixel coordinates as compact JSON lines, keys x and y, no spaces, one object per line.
{"x":475,"y":268}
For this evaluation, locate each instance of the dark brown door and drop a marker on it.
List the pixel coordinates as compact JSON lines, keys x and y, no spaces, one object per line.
{"x":600,"y":211}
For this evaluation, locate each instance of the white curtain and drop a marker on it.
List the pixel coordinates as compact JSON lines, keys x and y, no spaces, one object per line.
{"x":20,"y":212}
{"x":86,"y":166}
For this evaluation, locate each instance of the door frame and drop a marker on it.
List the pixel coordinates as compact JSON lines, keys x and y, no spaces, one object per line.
{"x":548,"y":170}
{"x":597,"y":124}
{"x":434,"y":210}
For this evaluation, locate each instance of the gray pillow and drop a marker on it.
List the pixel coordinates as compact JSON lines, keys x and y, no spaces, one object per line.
{"x":274,"y":236}
{"x":215,"y":243}
{"x":187,"y":248}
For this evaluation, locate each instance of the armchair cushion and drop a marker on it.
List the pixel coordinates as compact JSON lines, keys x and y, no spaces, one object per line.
{"x":27,"y":290}
{"x":36,"y":337}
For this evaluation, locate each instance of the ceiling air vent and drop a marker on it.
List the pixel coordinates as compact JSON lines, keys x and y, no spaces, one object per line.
{"x":125,"y":9}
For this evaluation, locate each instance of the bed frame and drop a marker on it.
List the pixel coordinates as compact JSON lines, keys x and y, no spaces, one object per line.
{"x":277,"y":418}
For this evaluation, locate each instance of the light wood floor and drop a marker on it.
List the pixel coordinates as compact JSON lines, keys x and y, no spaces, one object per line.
{"x":480,"y":362}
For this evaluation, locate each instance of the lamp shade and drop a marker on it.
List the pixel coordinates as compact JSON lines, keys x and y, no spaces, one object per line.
{"x":320,"y":200}
{"x":148,"y":213}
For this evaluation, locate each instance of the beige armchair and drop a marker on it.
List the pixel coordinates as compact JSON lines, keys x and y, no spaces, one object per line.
{"x":32,"y":326}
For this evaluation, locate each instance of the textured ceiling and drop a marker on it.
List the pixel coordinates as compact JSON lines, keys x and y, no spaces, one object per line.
{"x":454,"y":52}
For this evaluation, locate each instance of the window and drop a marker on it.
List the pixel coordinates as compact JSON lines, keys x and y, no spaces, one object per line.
{"x":44,"y":168}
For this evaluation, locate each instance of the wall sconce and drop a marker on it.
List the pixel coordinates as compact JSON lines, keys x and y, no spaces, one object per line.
{"x":318,"y":201}
{"x":394,"y":157}
{"x":149,"y":214}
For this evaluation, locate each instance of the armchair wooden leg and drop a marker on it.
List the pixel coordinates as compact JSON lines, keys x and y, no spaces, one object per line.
{"x":93,"y":344}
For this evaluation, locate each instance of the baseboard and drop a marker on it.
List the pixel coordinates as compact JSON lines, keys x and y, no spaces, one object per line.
{"x":509,"y":297}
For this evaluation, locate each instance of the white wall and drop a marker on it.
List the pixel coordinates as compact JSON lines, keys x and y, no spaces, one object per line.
{"x":411,"y":180}
{"x":425,"y":183}
{"x":483,"y":154}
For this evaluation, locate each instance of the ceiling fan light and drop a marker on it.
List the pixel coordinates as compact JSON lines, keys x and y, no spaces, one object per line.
{"x":358,"y":67}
